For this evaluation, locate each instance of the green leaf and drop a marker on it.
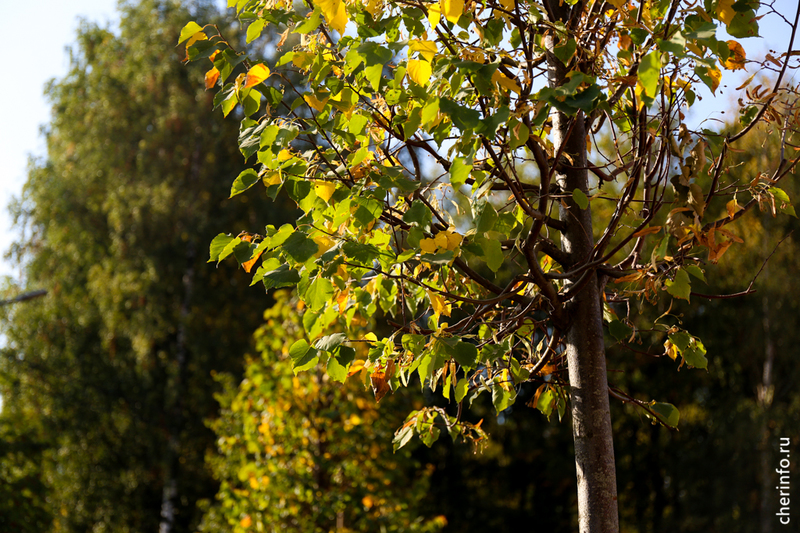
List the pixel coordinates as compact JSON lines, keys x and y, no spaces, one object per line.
{"x":299,"y":247}
{"x":462,"y":387}
{"x":743,"y":25}
{"x":283,"y":276}
{"x":546,"y":402}
{"x":564,"y":52}
{"x":486,"y":219}
{"x":580,"y":199}
{"x":429,"y":435}
{"x":189,"y":31}
{"x":619,"y":330}
{"x":667,"y":412}
{"x":502,"y":399}
{"x":519,"y":133}
{"x":650,"y":72}
{"x":695,"y":271}
{"x":303,"y":356}
{"x":318,"y":294}
{"x":219,"y":243}
{"x":336,"y":370}
{"x":695,"y":354}
{"x":413,"y":343}
{"x":329,"y":343}
{"x":418,"y":213}
{"x":402,"y":437}
{"x":465,"y":354}
{"x":244,"y":181}
{"x":492,"y":252}
{"x":680,"y":286}
{"x":459,"y":171}
{"x":255,"y":29}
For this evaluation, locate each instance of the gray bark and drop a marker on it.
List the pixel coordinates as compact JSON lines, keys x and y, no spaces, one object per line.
{"x":585,"y":346}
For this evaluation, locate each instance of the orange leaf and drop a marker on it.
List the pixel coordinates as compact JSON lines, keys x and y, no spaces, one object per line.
{"x":737,"y":58}
{"x":380,"y":385}
{"x":256,"y":75}
{"x":211,"y":78}
{"x":355,"y":367}
{"x":647,"y":231}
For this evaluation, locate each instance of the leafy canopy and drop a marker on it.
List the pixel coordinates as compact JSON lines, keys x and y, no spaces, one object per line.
{"x":418,"y":144}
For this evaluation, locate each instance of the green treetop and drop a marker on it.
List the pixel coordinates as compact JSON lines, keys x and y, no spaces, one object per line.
{"x":111,"y":370}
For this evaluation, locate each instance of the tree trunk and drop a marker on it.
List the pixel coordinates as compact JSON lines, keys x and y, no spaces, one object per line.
{"x":585,"y":346}
{"x":765,"y":393}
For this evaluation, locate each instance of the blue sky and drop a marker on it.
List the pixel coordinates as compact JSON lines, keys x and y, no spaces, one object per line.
{"x":39,"y":32}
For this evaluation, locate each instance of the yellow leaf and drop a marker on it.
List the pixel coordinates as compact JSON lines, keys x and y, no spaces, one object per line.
{"x":452,"y":9}
{"x":434,"y":15}
{"x":272,"y":178}
{"x":439,"y":304}
{"x":211,"y":78}
{"x":334,"y":13}
{"x":246,"y":521}
{"x":672,"y":350}
{"x":505,"y":381}
{"x":419,"y":71}
{"x":428,"y":246}
{"x":725,"y":10}
{"x":199,"y":36}
{"x":256,"y":75}
{"x":505,"y":82}
{"x":453,"y":240}
{"x":696,"y":49}
{"x":324,"y":243}
{"x":355,"y":367}
{"x":312,"y":101}
{"x":732,"y":207}
{"x":508,"y":5}
{"x":737,"y":58}
{"x":426,"y":49}
{"x":372,"y":6}
{"x":367,"y":502}
{"x":440,"y":240}
{"x":284,"y":155}
{"x":716,"y":76}
{"x":324,"y":189}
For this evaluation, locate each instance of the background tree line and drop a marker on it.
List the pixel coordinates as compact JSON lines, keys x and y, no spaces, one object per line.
{"x":107,"y":381}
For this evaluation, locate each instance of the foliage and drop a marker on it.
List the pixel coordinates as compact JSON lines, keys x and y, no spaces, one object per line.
{"x":307,"y":455}
{"x":440,"y":153}
{"x":108,"y":375}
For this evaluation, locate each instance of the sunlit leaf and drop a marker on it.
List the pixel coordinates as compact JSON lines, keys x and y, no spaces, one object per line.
{"x":335,"y":13}
{"x":667,"y":412}
{"x":189,"y":31}
{"x":439,"y":304}
{"x":679,"y":286}
{"x":324,"y":189}
{"x":211,"y":77}
{"x":650,"y":72}
{"x":419,"y":71}
{"x":256,"y":75}
{"x":736,"y":60}
{"x":452,"y":9}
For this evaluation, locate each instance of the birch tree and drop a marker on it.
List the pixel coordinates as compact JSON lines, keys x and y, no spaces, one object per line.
{"x":449,"y":160}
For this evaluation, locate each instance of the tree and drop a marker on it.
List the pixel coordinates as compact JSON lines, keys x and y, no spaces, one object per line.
{"x":307,"y":455}
{"x":111,"y":370}
{"x":440,"y":152}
